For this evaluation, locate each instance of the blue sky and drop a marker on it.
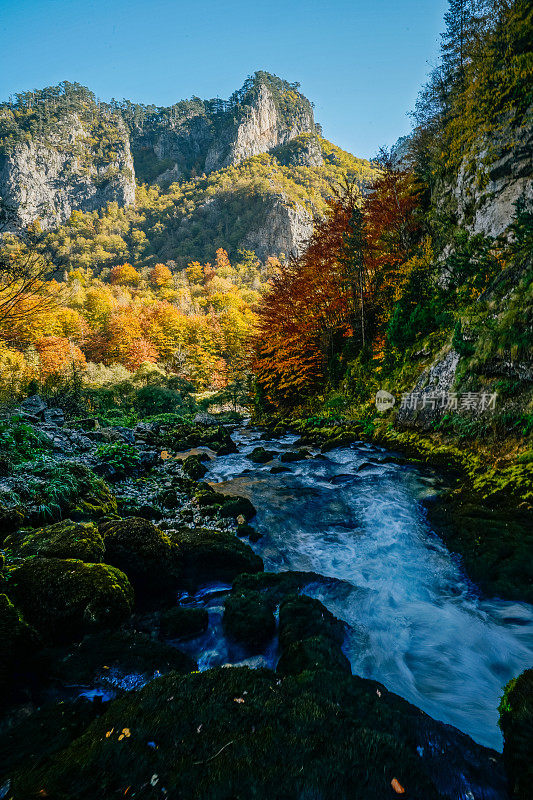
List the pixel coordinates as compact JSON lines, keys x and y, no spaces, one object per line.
{"x":360,"y":62}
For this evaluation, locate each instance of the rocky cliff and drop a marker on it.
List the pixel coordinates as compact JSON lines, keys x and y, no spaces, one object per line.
{"x":248,"y":172}
{"x":200,"y":137}
{"x":49,"y":175}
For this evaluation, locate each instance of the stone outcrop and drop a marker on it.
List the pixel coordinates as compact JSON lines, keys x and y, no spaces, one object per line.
{"x":486,"y":198}
{"x":48,"y":177}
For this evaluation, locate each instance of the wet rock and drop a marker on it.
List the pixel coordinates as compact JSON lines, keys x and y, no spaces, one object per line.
{"x":198,"y":734}
{"x":184,"y":437}
{"x":290,"y":456}
{"x":279,"y":470}
{"x":109,"y":656}
{"x":63,"y":599}
{"x":516,"y":722}
{"x":261,"y":456}
{"x":144,"y":553}
{"x":65,"y":539}
{"x":54,"y":416}
{"x":238,"y":506}
{"x":48,"y":729}
{"x":86,"y":423}
{"x":34,"y":405}
{"x":496,"y":545}
{"x":249,"y":620}
{"x":207,"y":555}
{"x":194,"y":467}
{"x":183,"y":623}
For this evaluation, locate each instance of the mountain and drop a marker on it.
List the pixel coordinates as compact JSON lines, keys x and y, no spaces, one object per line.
{"x":249,"y":172}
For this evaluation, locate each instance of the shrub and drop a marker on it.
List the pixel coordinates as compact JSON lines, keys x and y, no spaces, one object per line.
{"x":123,"y":457}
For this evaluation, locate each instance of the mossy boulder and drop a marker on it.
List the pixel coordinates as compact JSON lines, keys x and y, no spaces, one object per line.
{"x":310,"y":638}
{"x":65,"y":539}
{"x":50,"y":728}
{"x":207,"y":555}
{"x":108,"y":656}
{"x":185,"y":437}
{"x":248,"y":733}
{"x":261,"y":456}
{"x":17,"y":642}
{"x":183,"y":623}
{"x":238,"y":507}
{"x":249,"y":620}
{"x":516,"y":722}
{"x":294,"y":455}
{"x":194,"y":467}
{"x":65,"y":598}
{"x":144,"y":552}
{"x":496,"y":545}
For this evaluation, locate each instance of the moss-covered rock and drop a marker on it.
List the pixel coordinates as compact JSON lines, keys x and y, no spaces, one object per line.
{"x":17,"y":642}
{"x":291,"y":455}
{"x":49,"y":729}
{"x":185,"y":436}
{"x":238,"y":507}
{"x":144,"y":552}
{"x":107,"y":656}
{"x":194,"y":467}
{"x":65,"y":539}
{"x":261,"y":456}
{"x":183,"y":623}
{"x":249,"y":620}
{"x":496,"y":545}
{"x":310,"y":637}
{"x":516,"y":722}
{"x":63,"y":599}
{"x":247,"y":733}
{"x":206,"y":555}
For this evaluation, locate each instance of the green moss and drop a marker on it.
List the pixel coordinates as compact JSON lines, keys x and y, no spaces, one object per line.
{"x":206,"y":555}
{"x":248,"y":620}
{"x":194,"y":467}
{"x":106,"y":654}
{"x":49,"y":729}
{"x":261,"y":456}
{"x":298,"y":737}
{"x":183,"y":623}
{"x":516,"y":722}
{"x":65,"y":598}
{"x":145,"y":553}
{"x":496,"y":545}
{"x":63,"y":540}
{"x":237,"y":507}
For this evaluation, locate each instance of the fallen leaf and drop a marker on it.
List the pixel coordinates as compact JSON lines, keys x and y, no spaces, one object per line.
{"x":165,"y":454}
{"x":108,"y":733}
{"x":397,"y":786}
{"x":154,"y":779}
{"x":240,"y":519}
{"x":238,"y":699}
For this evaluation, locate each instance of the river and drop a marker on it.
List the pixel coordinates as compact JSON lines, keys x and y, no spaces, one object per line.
{"x":355,"y":516}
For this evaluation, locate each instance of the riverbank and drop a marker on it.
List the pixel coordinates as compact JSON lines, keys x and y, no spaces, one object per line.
{"x":92,"y":612}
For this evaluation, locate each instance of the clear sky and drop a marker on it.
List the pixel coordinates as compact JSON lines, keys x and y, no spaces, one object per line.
{"x":360,"y":61}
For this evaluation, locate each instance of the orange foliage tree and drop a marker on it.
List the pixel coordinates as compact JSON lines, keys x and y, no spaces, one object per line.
{"x":57,"y":356}
{"x":124,"y":275}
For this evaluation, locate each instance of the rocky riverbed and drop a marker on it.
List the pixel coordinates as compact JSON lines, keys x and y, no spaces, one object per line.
{"x":147,"y":652}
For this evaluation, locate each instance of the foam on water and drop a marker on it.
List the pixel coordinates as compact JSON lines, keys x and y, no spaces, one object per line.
{"x":416,"y":623}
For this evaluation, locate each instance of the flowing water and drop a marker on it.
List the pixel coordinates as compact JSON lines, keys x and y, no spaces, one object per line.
{"x":355,"y":517}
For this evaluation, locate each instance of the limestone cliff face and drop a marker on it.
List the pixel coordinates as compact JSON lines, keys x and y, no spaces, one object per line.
{"x":261,"y":128}
{"x":486,"y":196}
{"x":167,"y":149}
{"x":47,"y":178}
{"x":281,"y":229}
